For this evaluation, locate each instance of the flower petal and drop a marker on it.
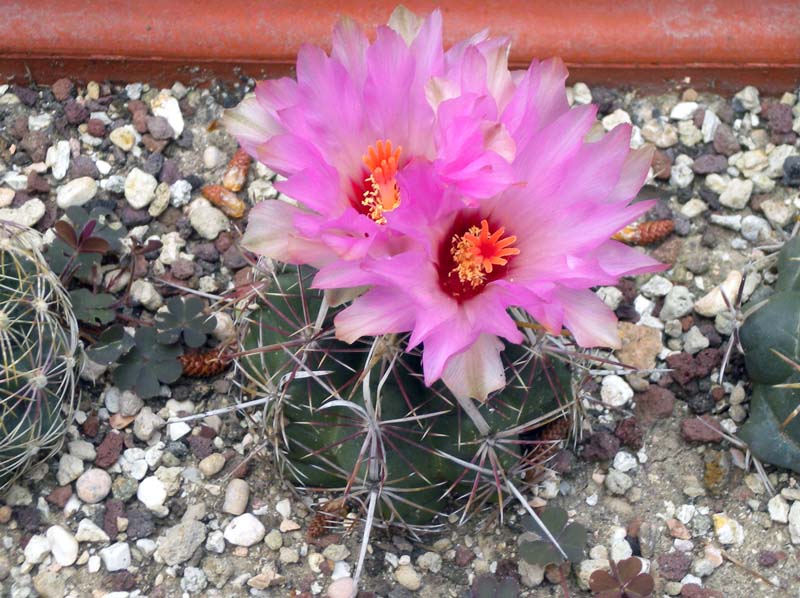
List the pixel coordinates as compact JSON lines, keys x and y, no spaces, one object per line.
{"x":478,"y":371}
{"x":589,"y":320}
{"x":379,"y":311}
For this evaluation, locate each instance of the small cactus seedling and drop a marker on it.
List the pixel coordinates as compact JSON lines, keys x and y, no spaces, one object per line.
{"x":358,"y":420}
{"x":38,"y":344}
{"x":770,"y":338}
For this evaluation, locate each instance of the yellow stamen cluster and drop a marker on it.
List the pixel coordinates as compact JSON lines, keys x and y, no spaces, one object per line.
{"x":478,"y":251}
{"x":382,"y":193}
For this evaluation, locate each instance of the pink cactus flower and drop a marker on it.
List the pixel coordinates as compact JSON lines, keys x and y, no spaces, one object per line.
{"x":541,"y":245}
{"x":345,"y":130}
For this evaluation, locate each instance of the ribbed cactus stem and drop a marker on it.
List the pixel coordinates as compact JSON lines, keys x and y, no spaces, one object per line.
{"x":468,"y":405}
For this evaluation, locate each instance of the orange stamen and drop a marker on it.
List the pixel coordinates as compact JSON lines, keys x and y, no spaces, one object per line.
{"x":478,"y":251}
{"x":382,"y":194}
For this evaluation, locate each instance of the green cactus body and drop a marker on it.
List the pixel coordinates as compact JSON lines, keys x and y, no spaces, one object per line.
{"x":38,"y":344}
{"x":321,"y":418}
{"x":772,"y":331}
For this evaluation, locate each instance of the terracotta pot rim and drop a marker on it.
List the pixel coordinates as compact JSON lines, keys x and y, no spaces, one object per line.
{"x":720,"y":44}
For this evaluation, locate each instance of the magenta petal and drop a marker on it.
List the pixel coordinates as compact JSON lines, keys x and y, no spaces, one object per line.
{"x":589,"y":320}
{"x":379,"y":311}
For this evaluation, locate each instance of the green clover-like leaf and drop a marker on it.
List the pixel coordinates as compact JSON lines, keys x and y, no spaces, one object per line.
{"x":92,"y":308}
{"x":571,"y":537}
{"x":184,"y":318}
{"x":148,"y":365}
{"x":111,"y":345}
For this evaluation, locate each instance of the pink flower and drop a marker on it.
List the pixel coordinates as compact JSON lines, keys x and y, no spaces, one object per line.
{"x":539,"y":246}
{"x":344,"y":132}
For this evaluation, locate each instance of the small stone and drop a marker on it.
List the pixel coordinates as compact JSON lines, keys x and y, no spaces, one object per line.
{"x":707,"y":430}
{"x":708,"y":163}
{"x":274,"y":540}
{"x":236,"y":496}
{"x":63,"y":545}
{"x":794,"y":522}
{"x":624,"y":462}
{"x":145,"y":293}
{"x":408,"y":577}
{"x":615,"y":392}
{"x":244,"y":530}
{"x":152,"y":493}
{"x":165,"y":105}
{"x":674,"y":565}
{"x":180,"y":193}
{"x":124,"y":137}
{"x":76,"y":193}
{"x":749,"y":99}
{"x":116,"y":557}
{"x":729,"y":531}
{"x":617,"y":482}
{"x":694,"y":341}
{"x":682,"y":175}
{"x":736,"y":194}
{"x":288,"y":556}
{"x":57,"y":159}
{"x":778,"y":212}
{"x":69,"y":469}
{"x":179,"y":543}
{"x":212,"y":157}
{"x":194,"y":580}
{"x":430,"y":561}
{"x":37,"y":549}
{"x":93,"y":485}
{"x":778,"y":509}
{"x":28,"y":214}
{"x":677,"y":303}
{"x":660,"y":133}
{"x":587,"y":567}
{"x":212,"y":465}
{"x":207,"y":220}
{"x":62,"y":89}
{"x":215,"y":542}
{"x":618,"y":117}
{"x":140,"y":188}
{"x":88,"y":531}
{"x":159,"y":127}
{"x":755,"y":228}
{"x":640,"y":345}
{"x":713,"y":302}
{"x":693,"y":208}
{"x":725,"y":141}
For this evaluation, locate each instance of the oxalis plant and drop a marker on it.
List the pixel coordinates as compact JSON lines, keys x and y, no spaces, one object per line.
{"x":427,"y":287}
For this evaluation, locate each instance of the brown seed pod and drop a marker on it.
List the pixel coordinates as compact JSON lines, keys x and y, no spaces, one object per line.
{"x":236,"y":174}
{"x":645,"y":233}
{"x":326,"y":517}
{"x":204,"y":364}
{"x":224,"y":200}
{"x":549,"y":437}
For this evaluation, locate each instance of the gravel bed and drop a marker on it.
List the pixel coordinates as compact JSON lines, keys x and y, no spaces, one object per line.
{"x":132,"y":507}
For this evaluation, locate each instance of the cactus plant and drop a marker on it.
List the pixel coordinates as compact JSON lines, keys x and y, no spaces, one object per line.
{"x":770,"y":337}
{"x":357,"y":418}
{"x":38,"y":344}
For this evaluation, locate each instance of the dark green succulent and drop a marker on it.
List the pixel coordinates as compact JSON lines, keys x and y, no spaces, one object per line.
{"x":770,"y":337}
{"x":91,"y":308}
{"x":184,"y":318}
{"x":148,"y":364}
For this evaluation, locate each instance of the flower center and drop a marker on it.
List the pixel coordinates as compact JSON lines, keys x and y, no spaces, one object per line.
{"x":381,"y":193}
{"x":473,"y":257}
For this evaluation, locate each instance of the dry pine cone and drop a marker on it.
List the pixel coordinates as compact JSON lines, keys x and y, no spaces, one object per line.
{"x":645,"y":233}
{"x":204,"y":364}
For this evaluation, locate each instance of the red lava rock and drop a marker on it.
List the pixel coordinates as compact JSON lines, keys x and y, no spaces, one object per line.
{"x":62,"y":89}
{"x":201,"y":446}
{"x":206,"y":431}
{"x":708,"y":163}
{"x":694,"y":430}
{"x":182,"y":269}
{"x":109,"y":450}
{"x":136,"y":106}
{"x":240,"y":469}
{"x":779,"y":117}
{"x":601,"y":446}
{"x":692,"y":590}
{"x":114,"y":510}
{"x":725,"y":141}
{"x":75,"y":112}
{"x":91,"y":426}
{"x":674,"y":565}
{"x":698,"y":117}
{"x":770,"y":558}
{"x":121,"y":581}
{"x":153,"y":145}
{"x":630,"y":433}
{"x":654,"y":403}
{"x":687,"y":368}
{"x":37,"y":183}
{"x":159,"y":127}
{"x":139,"y":120}
{"x":223,"y":242}
{"x":707,"y":360}
{"x":96,"y":127}
{"x":669,"y":250}
{"x":60,"y":496}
